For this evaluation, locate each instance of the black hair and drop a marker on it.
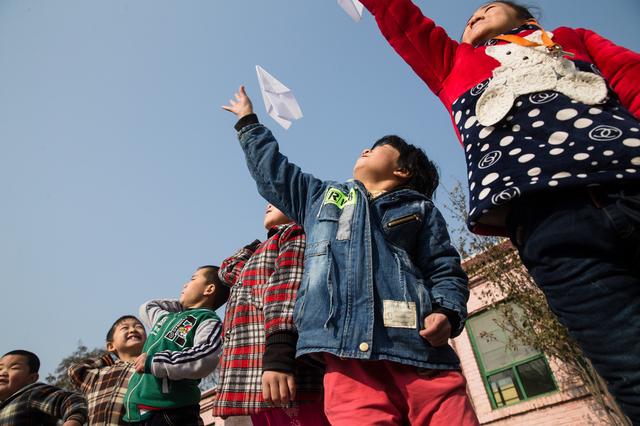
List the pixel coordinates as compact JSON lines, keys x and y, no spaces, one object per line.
{"x":221,"y":293}
{"x":423,"y":173}
{"x":33,"y":362}
{"x":522,"y":11}
{"x":112,"y":330}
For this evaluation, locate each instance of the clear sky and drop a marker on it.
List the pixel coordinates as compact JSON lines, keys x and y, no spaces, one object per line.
{"x":119,"y":173}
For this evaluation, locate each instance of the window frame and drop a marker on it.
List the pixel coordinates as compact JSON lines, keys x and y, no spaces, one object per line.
{"x":509,"y":367}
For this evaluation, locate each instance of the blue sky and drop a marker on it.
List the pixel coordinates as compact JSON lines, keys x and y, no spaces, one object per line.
{"x":119,"y":172}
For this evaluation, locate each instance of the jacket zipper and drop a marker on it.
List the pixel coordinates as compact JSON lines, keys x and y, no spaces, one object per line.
{"x":404,"y":219}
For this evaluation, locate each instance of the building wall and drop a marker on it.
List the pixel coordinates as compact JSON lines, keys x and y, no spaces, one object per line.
{"x":571,"y":405}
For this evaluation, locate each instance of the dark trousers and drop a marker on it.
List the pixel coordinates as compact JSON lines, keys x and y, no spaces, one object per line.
{"x":582,"y":248}
{"x":183,"y":416}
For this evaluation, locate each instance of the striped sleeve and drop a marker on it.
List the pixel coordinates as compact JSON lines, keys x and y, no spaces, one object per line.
{"x":193,"y":363}
{"x":153,"y":310}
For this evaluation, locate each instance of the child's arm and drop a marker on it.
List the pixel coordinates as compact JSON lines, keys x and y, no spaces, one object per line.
{"x":424,"y":46}
{"x":59,"y":403}
{"x":151,"y":311}
{"x":281,"y":183}
{"x":279,"y":301}
{"x":195,"y":362}
{"x":447,"y":281}
{"x":619,"y":66}
{"x":84,"y":373}
{"x":231,"y":268}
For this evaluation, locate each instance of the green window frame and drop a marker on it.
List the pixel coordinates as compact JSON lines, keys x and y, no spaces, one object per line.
{"x":510,"y":376}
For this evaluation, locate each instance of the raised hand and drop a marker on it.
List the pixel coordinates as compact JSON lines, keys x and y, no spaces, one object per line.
{"x":241,"y":106}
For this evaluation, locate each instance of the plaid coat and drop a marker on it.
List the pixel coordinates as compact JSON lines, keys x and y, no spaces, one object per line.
{"x":264,"y":279}
{"x":42,"y":405}
{"x":103,"y":382}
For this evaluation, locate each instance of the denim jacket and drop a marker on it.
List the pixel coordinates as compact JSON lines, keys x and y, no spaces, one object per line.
{"x":373,"y":270}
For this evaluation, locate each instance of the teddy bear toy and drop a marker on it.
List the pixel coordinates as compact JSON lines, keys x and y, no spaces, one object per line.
{"x":525,"y":70}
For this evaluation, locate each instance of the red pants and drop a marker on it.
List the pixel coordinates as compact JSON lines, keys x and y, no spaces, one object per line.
{"x":387,"y":393}
{"x":309,"y":414}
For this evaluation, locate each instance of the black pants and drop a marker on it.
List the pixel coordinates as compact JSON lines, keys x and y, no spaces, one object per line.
{"x":183,"y":416}
{"x":582,"y":248}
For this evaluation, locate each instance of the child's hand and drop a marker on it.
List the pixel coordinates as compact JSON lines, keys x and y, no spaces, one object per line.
{"x":278,"y":388}
{"x":72,"y":423}
{"x":241,"y":106}
{"x":140,"y":362}
{"x":437,"y":329}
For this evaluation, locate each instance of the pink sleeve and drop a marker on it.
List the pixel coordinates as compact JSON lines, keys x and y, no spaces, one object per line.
{"x":425,"y":46}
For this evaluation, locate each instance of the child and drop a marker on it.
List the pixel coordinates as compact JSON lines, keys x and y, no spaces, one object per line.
{"x":104,"y":380}
{"x":23,"y":401}
{"x":258,"y":368}
{"x":549,"y":125}
{"x":182,"y":348}
{"x":383,"y":289}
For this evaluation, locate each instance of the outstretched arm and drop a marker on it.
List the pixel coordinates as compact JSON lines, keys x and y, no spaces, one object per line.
{"x":59,"y":403}
{"x":425,"y":46}
{"x":232,"y":266}
{"x":280,"y":182}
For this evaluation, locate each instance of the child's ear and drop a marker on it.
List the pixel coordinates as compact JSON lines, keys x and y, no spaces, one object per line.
{"x":110,"y":347}
{"x":402,"y":173}
{"x":209,"y":290}
{"x":33,"y":377}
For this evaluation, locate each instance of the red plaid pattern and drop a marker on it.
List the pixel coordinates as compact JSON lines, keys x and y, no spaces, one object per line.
{"x":264,"y":286}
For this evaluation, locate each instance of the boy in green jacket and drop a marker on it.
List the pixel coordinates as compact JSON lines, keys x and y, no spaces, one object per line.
{"x":183,"y":346}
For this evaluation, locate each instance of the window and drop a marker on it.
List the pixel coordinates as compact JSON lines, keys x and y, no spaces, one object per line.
{"x":510,"y":376}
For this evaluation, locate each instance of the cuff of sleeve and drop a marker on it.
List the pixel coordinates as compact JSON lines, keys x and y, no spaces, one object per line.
{"x":148,"y":365}
{"x":253,"y":245}
{"x":280,"y":352}
{"x":452,"y":316}
{"x":80,"y":418}
{"x":245,"y":121}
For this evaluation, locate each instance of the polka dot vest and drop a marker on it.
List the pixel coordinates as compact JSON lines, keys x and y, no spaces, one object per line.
{"x":546,"y":141}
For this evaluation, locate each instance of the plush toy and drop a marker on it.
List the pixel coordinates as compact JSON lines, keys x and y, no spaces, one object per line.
{"x":526,"y":70}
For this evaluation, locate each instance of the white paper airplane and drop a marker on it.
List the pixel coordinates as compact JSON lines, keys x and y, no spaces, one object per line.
{"x":279,"y":101}
{"x":353,"y":8}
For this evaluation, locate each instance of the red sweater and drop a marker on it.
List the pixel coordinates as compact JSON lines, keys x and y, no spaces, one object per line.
{"x":535,"y":147}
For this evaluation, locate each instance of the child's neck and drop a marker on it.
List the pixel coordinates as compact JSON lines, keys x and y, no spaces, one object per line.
{"x":126,"y":357}
{"x":201,"y":304}
{"x":377,"y":188}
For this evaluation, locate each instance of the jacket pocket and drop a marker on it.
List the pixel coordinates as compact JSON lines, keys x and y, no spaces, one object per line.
{"x":404,"y":220}
{"x":314,"y":285}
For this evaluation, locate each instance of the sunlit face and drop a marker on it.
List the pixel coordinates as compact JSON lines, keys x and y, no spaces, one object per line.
{"x":274,"y":217}
{"x":489,"y":21}
{"x":376,"y":164}
{"x":128,"y":338}
{"x":14,"y":375}
{"x":196,"y":290}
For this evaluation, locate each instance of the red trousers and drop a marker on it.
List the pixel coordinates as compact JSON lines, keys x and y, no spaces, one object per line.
{"x":309,"y":414}
{"x":387,"y":393}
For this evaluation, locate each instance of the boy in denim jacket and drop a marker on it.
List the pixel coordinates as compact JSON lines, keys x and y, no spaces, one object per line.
{"x":383,"y":289}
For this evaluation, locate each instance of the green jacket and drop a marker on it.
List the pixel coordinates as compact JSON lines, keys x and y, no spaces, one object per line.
{"x":182,"y":347}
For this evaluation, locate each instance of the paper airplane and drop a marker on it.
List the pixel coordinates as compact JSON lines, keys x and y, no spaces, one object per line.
{"x":279,"y":101}
{"x":353,"y":8}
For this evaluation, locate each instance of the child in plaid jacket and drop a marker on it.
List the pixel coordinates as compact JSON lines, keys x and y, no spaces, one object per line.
{"x":104,"y":380}
{"x":259,"y":374}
